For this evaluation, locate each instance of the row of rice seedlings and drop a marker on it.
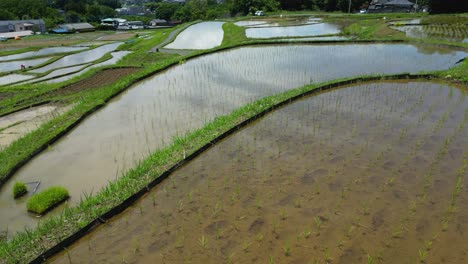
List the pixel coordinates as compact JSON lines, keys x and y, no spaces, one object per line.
{"x":365,"y":210}
{"x":452,"y":207}
{"x":401,"y":227}
{"x":446,"y":30}
{"x":355,"y":223}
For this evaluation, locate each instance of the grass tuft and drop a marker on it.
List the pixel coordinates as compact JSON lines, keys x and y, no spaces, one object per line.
{"x":19,"y":189}
{"x":47,"y":199}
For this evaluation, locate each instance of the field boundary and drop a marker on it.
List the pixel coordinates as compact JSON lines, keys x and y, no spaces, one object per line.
{"x":103,"y":218}
{"x":5,"y":177}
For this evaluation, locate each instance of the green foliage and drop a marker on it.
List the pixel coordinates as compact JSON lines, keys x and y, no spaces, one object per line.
{"x":165,"y":10}
{"x":6,"y":15}
{"x":47,"y":199}
{"x":98,"y":12}
{"x":19,"y":189}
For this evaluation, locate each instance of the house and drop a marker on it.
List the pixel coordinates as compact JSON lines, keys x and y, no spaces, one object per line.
{"x":390,"y":6}
{"x":112,"y":21}
{"x":73,"y":27}
{"x":158,"y":22}
{"x":36,"y":25}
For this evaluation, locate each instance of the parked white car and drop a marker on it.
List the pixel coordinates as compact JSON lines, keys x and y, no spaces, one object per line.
{"x":123,"y":26}
{"x":259,"y":13}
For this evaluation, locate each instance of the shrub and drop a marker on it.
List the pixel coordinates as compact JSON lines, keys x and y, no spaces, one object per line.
{"x":19,"y":189}
{"x":47,"y":199}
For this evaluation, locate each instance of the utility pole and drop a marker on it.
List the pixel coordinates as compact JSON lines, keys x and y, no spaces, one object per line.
{"x":349,"y":7}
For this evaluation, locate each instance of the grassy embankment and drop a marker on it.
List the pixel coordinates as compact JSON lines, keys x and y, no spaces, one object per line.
{"x":26,"y":245}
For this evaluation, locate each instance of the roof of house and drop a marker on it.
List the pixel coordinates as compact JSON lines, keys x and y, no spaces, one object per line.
{"x":158,"y":21}
{"x":14,"y":22}
{"x":77,"y":26}
{"x":400,"y":3}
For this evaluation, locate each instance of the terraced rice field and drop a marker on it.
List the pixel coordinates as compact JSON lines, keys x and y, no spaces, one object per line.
{"x":367,"y":173}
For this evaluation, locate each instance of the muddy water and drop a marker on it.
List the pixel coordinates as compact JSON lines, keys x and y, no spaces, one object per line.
{"x":205,"y":35}
{"x":79,"y":58}
{"x":293,"y":31}
{"x":41,"y":52}
{"x":330,"y":177}
{"x":20,"y":123}
{"x":185,"y":97}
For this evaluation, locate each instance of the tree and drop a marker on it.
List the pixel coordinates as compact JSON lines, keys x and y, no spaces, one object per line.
{"x":166,"y":10}
{"x":5,"y":15}
{"x":110,"y":3}
{"x":448,"y":6}
{"x":98,"y":12}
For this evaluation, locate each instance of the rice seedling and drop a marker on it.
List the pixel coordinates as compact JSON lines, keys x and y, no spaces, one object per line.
{"x":422,"y":256}
{"x":19,"y":189}
{"x":47,"y":199}
{"x":287,"y":249}
{"x":327,"y":256}
{"x":246,"y":245}
{"x":318,"y":222}
{"x":203,"y":241}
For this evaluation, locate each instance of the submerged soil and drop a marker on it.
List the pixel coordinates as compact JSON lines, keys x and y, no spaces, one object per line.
{"x":18,"y":124}
{"x":367,"y":173}
{"x":101,"y":78}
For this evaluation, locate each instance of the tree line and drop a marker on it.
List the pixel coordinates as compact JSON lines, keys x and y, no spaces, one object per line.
{"x":60,"y":11}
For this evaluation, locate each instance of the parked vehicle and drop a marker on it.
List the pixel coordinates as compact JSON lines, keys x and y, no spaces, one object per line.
{"x":135,"y":25}
{"x":123,"y":26}
{"x":3,"y":38}
{"x":259,"y":13}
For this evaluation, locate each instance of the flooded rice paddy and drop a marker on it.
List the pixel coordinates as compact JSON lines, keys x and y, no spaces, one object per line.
{"x":279,"y":22}
{"x":59,"y":72}
{"x":369,"y":173}
{"x":79,"y":58}
{"x":454,"y":33}
{"x":116,"y":56}
{"x":328,"y":38}
{"x":41,"y":52}
{"x":147,"y":116}
{"x":20,"y":123}
{"x":13,"y":78}
{"x":204,"y":35}
{"x":16,"y":65}
{"x":293,"y":31}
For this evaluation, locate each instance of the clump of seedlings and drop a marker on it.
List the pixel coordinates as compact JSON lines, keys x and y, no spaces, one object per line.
{"x":19,"y":189}
{"x":47,"y":199}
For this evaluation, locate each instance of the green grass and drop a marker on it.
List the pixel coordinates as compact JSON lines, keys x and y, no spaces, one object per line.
{"x":19,"y":189}
{"x":47,"y":199}
{"x":48,"y":232}
{"x":233,"y":34}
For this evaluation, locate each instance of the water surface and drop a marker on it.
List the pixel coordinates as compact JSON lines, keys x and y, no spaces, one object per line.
{"x":367,"y":170}
{"x":41,"y":52}
{"x":16,"y":65}
{"x":12,"y":78}
{"x":293,"y":31}
{"x":458,"y":33}
{"x":148,"y":115}
{"x":205,"y":35}
{"x":79,"y":58}
{"x":116,"y":56}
